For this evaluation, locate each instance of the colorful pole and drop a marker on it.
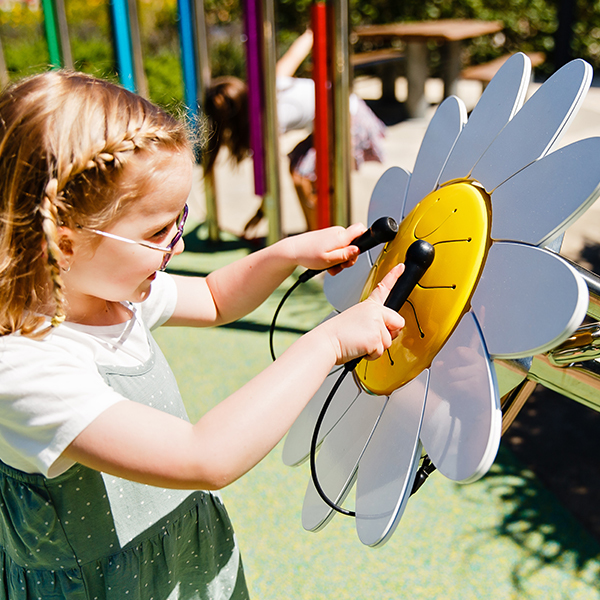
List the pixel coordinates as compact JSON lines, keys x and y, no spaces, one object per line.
{"x":188,"y":57}
{"x":253,"y":23}
{"x":122,"y":43}
{"x":322,"y":137}
{"x":57,"y":34}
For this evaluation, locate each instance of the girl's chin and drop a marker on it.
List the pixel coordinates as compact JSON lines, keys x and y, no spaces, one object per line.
{"x":144,"y":290}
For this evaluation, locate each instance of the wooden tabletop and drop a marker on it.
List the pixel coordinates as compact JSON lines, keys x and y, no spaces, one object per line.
{"x":443,"y":30}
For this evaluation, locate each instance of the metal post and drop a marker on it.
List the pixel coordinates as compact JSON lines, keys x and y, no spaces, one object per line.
{"x":272,"y":196}
{"x":136,"y":48}
{"x":203,"y":77}
{"x":340,"y":208}
{"x":4,"y":78}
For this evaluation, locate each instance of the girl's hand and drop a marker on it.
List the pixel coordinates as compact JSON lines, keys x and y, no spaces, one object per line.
{"x":368,"y":328}
{"x":329,"y":248}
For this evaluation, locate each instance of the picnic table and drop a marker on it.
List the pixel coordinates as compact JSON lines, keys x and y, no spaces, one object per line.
{"x":416,"y":34}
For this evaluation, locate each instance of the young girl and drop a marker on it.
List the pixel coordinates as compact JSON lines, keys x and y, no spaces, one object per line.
{"x":99,"y":466}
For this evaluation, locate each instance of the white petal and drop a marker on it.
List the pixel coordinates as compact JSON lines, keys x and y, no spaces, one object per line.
{"x":501,"y":99}
{"x":338,"y":459}
{"x":540,"y":202}
{"x":297,"y":443}
{"x":344,"y":289}
{"x":463,"y":421}
{"x":536,"y":127}
{"x":388,"y":467}
{"x":439,"y":139}
{"x":528,"y":300}
{"x":387,"y":199}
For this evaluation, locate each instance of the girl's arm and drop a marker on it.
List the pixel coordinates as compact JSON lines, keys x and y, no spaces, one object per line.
{"x":136,"y":442}
{"x":237,"y":289}
{"x":288,"y":64}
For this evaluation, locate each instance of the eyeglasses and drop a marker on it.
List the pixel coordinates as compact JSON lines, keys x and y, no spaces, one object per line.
{"x":168,"y":250}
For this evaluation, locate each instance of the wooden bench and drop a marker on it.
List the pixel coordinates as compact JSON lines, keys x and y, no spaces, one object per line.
{"x":486,"y":71}
{"x":387,"y":64}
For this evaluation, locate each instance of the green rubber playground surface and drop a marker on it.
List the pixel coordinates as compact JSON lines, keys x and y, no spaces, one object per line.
{"x":504,"y":537}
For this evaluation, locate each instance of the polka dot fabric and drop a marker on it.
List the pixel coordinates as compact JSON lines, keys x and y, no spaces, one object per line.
{"x":88,"y":535}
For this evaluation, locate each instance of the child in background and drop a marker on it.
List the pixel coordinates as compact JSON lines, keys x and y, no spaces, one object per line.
{"x":226,"y":106}
{"x":100,"y":468}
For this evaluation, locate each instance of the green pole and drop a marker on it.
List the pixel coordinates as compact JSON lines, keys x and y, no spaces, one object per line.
{"x":52,"y":34}
{"x":57,"y":34}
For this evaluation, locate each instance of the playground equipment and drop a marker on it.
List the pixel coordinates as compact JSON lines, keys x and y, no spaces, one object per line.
{"x":497,"y":307}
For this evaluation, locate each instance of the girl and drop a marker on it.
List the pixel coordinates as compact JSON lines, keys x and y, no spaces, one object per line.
{"x":227,"y":107}
{"x":99,"y":466}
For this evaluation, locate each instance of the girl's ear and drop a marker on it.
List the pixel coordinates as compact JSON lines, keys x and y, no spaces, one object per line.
{"x":66,"y":246}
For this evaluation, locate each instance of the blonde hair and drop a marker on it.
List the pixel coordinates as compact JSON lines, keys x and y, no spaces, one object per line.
{"x":65,"y":139}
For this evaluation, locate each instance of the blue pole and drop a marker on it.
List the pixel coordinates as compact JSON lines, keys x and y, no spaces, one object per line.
{"x":122,"y":39}
{"x":188,"y":56}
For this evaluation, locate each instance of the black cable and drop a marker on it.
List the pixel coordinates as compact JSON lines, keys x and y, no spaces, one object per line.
{"x":419,"y":257}
{"x":281,"y":303}
{"x":315,"y":438}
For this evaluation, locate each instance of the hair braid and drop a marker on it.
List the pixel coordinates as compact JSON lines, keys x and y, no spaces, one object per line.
{"x":65,"y":140}
{"x":49,"y":214}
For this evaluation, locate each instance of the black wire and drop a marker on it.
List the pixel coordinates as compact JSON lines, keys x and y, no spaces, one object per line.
{"x":272,"y":328}
{"x":315,"y":438}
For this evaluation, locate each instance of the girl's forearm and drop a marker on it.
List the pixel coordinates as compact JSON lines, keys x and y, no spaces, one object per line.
{"x":238,"y":288}
{"x":247,"y":425}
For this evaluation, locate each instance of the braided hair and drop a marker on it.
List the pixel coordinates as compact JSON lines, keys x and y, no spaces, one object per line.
{"x":65,"y":139}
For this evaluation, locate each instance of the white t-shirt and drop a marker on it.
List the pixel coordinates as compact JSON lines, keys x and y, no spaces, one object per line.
{"x":51,"y":390}
{"x":296,"y":103}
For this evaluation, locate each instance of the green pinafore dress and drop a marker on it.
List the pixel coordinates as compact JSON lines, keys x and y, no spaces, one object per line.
{"x":88,"y":535}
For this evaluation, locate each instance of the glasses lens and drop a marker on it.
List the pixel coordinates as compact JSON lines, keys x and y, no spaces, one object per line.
{"x":178,"y":235}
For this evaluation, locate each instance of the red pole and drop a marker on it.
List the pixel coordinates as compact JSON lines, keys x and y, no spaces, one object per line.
{"x":322,"y":138}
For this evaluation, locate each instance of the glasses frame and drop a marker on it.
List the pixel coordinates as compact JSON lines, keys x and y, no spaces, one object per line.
{"x":168,"y":249}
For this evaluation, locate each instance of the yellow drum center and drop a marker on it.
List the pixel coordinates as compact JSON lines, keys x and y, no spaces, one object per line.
{"x":455,"y":220}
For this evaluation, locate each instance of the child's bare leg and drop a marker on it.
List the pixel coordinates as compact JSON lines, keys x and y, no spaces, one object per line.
{"x":308,"y":199}
{"x":253,"y":223}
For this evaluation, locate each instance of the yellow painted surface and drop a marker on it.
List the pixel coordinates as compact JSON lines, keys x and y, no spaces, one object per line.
{"x":455,"y":220}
